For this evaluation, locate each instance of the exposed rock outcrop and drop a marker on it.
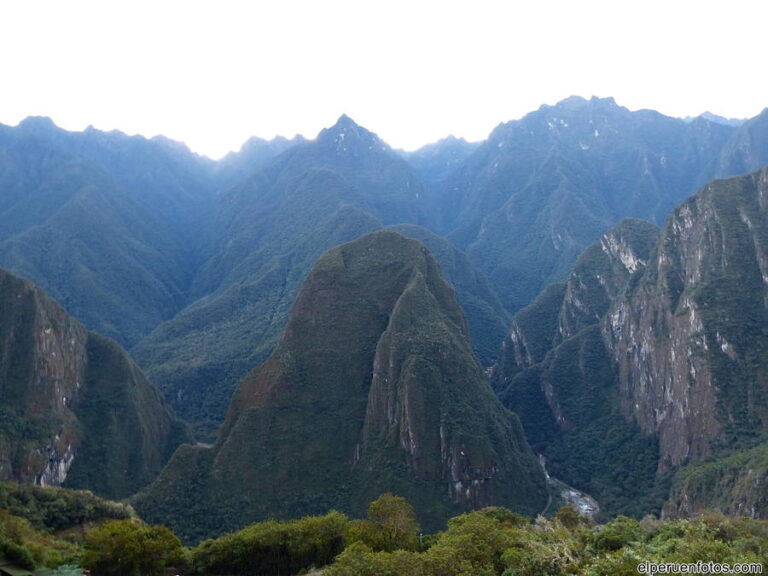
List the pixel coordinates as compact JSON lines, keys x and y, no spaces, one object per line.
{"x":75,"y":408}
{"x":682,"y":340}
{"x":695,"y":320}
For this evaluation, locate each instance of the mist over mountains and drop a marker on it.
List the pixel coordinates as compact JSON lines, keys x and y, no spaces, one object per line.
{"x":536,"y":255}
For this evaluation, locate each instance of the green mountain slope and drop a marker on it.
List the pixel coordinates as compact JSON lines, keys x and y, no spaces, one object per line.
{"x":541,"y":189}
{"x":486,"y":317}
{"x":101,"y":222}
{"x":373,"y":387}
{"x":265,"y":236}
{"x":76,"y":410}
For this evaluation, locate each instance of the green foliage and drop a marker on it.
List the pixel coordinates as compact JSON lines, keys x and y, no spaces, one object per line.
{"x":56,"y":509}
{"x":730,"y":483}
{"x":391,"y":525}
{"x":29,"y":548}
{"x":484,"y":543}
{"x":487,"y":318}
{"x":272,"y":547}
{"x":126,"y":548}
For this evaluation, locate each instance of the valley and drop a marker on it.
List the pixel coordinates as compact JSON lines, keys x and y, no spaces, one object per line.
{"x":308,"y":324}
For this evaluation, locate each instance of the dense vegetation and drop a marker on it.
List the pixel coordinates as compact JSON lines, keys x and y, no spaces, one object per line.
{"x":389,"y":542}
{"x":57,"y":509}
{"x":75,"y":407}
{"x":488,"y":542}
{"x":45,"y":526}
{"x":194,"y":264}
{"x":495,"y":542}
{"x":372,"y":388}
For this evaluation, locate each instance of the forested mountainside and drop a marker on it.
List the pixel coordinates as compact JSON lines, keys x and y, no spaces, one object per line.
{"x":75,"y":408}
{"x":194,"y":264}
{"x":647,"y":368}
{"x":540,"y":189}
{"x":372,"y":388}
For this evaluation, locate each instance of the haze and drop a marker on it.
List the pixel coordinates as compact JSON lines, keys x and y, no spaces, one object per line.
{"x":213,"y":74}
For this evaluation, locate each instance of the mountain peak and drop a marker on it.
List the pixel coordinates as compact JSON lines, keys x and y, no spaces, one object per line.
{"x":578,"y":102}
{"x":717,"y":119}
{"x":39,"y":125}
{"x":347,"y":137}
{"x":345,"y":121}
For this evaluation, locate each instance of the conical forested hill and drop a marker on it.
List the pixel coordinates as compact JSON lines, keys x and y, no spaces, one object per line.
{"x":372,"y":388}
{"x":264,"y":238}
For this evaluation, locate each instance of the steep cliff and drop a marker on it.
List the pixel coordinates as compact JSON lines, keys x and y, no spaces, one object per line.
{"x":600,"y":275}
{"x":557,"y":373}
{"x":690,"y":339}
{"x":75,"y":409}
{"x":372,"y":388}
{"x":681,"y":335}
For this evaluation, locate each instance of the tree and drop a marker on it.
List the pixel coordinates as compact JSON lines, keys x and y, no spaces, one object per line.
{"x":391,"y":525}
{"x":114,"y":549}
{"x":126,"y":548}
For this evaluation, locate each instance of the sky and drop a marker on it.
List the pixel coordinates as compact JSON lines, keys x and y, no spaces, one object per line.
{"x":212,"y":74}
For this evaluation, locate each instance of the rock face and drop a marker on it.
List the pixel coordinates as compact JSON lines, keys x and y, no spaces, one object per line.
{"x":690,"y":338}
{"x":372,"y":388}
{"x":558,"y":374}
{"x":684,"y":330}
{"x":76,"y":410}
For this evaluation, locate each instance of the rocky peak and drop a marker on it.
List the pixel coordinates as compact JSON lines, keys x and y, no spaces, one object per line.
{"x":347,"y":138}
{"x":602,"y":272}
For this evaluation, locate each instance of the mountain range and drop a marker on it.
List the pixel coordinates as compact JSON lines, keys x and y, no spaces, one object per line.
{"x":631,"y":353}
{"x":193,"y":265}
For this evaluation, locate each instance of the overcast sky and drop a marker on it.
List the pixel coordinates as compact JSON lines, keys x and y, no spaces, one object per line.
{"x":211,"y":74}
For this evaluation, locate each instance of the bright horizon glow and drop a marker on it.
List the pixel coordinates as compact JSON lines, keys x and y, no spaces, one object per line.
{"x":212,"y":75}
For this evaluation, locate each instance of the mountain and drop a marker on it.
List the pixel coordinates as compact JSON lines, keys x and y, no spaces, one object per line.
{"x":76,"y":410}
{"x":102,"y":221}
{"x":434,"y":162}
{"x":253,"y":155}
{"x":487,"y":319}
{"x":556,"y":371}
{"x":678,"y":356}
{"x":717,"y":119}
{"x":747,"y":150}
{"x":194,"y":264}
{"x":263,"y":239}
{"x":372,"y":388}
{"x":541,"y":189}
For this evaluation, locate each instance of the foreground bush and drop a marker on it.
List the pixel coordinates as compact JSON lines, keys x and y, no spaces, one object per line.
{"x":273,"y":547}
